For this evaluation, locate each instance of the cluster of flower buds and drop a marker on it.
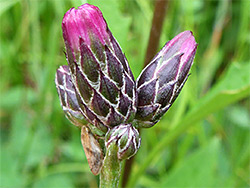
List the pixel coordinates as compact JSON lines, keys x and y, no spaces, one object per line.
{"x":98,"y":87}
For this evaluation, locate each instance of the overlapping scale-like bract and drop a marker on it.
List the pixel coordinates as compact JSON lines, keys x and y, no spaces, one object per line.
{"x":161,"y":81}
{"x":66,"y":92}
{"x":104,"y":84}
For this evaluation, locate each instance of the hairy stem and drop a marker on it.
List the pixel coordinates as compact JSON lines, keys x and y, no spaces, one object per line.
{"x":111,"y":170}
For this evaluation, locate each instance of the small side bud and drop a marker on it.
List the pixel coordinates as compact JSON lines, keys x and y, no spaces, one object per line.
{"x":161,"y":81}
{"x":127,"y":139}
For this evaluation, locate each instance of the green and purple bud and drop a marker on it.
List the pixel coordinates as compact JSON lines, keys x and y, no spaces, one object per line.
{"x":126,"y":137}
{"x":162,"y":80}
{"x":104,"y":85}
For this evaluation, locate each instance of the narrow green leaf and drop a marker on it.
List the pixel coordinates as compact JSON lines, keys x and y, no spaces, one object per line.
{"x":6,"y":4}
{"x":200,"y":169}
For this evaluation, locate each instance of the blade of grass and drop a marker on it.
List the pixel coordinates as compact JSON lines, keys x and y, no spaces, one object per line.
{"x":7,"y":4}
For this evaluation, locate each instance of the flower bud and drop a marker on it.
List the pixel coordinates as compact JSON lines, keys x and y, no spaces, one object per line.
{"x":66,"y":92}
{"x":162,"y":80}
{"x":104,"y":84}
{"x":127,"y":139}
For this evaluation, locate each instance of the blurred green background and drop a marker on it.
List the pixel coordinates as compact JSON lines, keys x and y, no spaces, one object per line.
{"x":202,"y":141}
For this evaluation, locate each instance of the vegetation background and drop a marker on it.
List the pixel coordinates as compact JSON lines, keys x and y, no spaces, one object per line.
{"x":202,"y":141}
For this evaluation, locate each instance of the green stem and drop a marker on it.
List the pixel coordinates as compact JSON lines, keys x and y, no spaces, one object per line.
{"x":111,"y":170}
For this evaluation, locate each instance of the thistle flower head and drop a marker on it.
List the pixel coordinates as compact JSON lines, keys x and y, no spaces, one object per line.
{"x":161,"y":81}
{"x":103,"y":82}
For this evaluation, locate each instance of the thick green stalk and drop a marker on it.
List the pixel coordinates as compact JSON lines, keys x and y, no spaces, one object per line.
{"x":111,"y":170}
